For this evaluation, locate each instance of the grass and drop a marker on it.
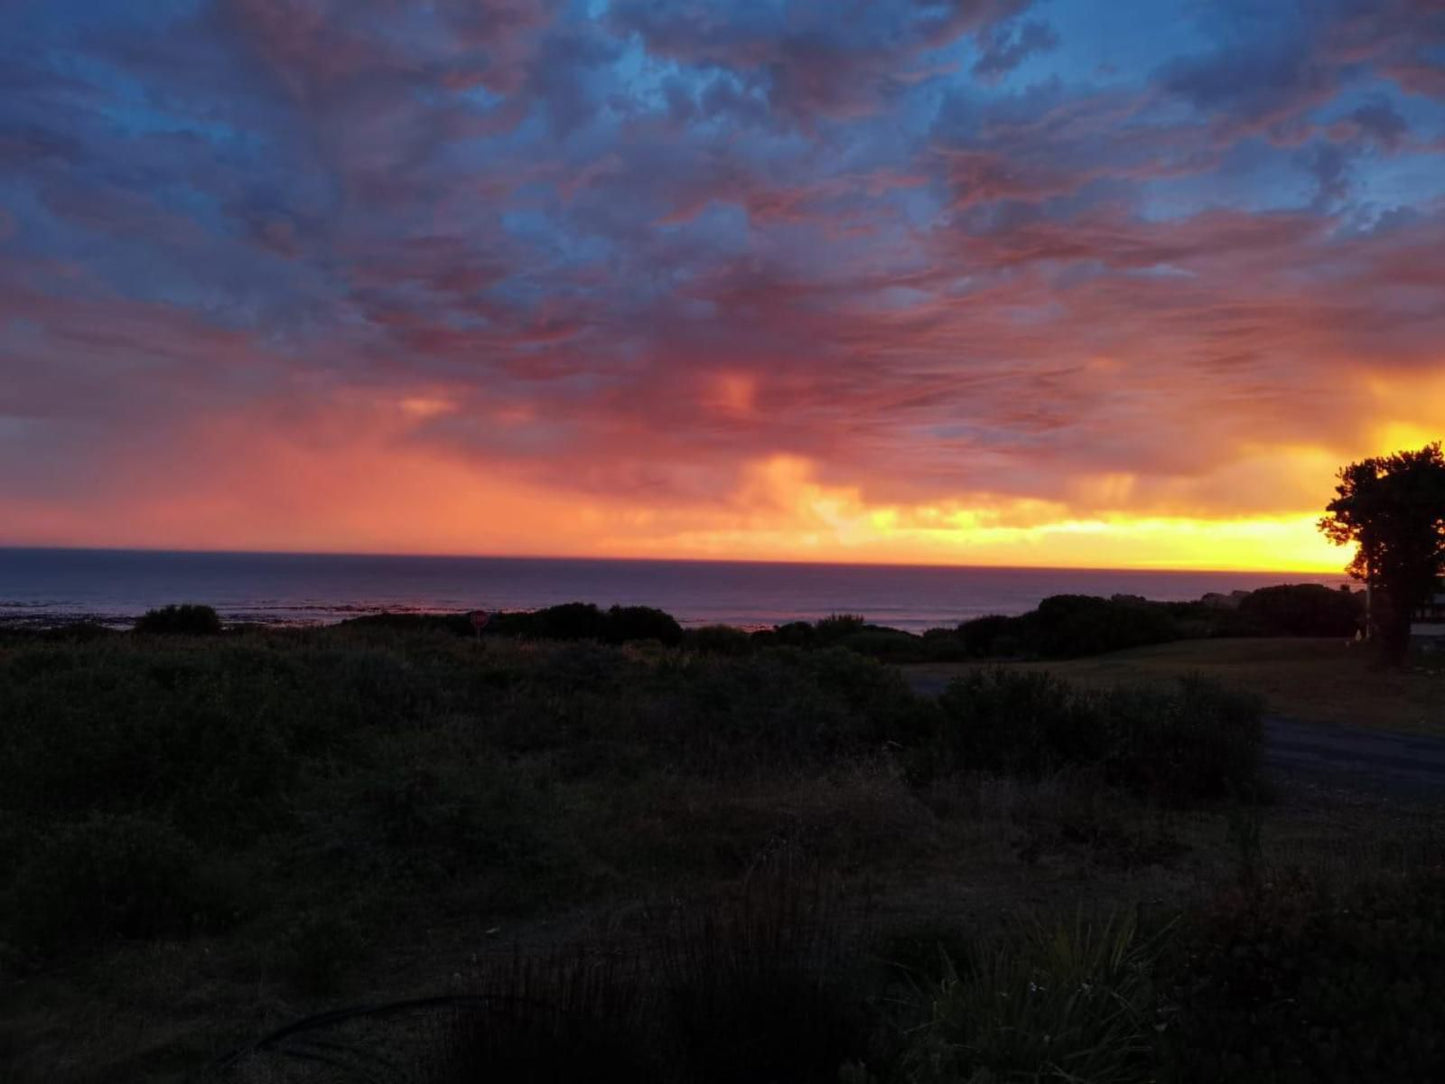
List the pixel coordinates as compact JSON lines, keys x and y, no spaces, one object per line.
{"x":208,"y":838}
{"x":1314,"y":680}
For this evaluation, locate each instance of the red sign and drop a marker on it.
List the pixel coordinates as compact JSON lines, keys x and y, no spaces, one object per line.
{"x":479,"y":619}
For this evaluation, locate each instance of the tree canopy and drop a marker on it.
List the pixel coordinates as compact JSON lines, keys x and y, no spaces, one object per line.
{"x":1393,"y":509}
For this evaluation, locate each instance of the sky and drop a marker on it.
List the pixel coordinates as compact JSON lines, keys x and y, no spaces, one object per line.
{"x":1117,"y":283}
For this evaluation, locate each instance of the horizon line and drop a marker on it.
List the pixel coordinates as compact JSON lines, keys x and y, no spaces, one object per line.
{"x":5,"y":546}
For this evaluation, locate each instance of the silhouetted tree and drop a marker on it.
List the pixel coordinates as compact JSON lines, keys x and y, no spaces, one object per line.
{"x":1393,"y":508}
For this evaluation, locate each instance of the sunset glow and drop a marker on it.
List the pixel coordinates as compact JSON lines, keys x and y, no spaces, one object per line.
{"x":994,"y":282}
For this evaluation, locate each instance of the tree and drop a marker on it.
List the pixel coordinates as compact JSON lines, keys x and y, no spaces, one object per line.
{"x":1393,"y":508}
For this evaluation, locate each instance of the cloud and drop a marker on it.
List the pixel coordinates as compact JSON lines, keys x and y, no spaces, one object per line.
{"x":1004,"y":49}
{"x":714,"y":275}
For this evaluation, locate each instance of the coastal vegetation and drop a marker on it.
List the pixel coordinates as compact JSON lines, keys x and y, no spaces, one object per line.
{"x":699,"y":857}
{"x":1061,"y":627}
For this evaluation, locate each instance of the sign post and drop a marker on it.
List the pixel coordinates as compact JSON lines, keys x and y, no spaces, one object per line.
{"x":479,"y":619}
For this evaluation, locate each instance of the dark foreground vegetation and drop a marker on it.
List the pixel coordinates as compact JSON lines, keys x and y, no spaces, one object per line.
{"x":663,"y":859}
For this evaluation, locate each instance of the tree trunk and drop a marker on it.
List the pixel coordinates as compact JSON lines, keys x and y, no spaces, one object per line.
{"x":1391,"y":619}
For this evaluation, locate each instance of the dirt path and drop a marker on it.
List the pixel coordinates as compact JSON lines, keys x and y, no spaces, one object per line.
{"x":1402,"y":765}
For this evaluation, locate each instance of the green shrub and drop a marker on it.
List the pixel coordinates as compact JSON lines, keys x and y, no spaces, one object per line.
{"x":184,"y":620}
{"x":1304,"y":609}
{"x":570,"y":621}
{"x":1017,"y":722}
{"x":628,"y":623}
{"x":780,"y":708}
{"x":1291,"y":982}
{"x":991,"y":636}
{"x":797,"y":634}
{"x":834,"y":627}
{"x":1074,"y":1003}
{"x":211,"y":739}
{"x":107,"y":876}
{"x":886,"y":645}
{"x":945,"y":645}
{"x":719,"y":640}
{"x":1066,"y":626}
{"x":1198,"y":743}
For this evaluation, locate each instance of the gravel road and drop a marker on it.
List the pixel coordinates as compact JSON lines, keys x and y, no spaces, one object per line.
{"x":1402,"y":764}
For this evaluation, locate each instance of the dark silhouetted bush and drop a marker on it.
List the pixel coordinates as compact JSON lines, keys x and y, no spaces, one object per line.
{"x":182,"y":620}
{"x":885,"y":645}
{"x":584,"y":621}
{"x":1291,"y":982}
{"x":945,"y":645}
{"x":1071,"y":1003}
{"x":1197,"y":743}
{"x":795,"y":634}
{"x":719,"y":640}
{"x":835,"y":627}
{"x":1066,"y":626}
{"x":994,"y":636}
{"x":1019,"y":723}
{"x":629,"y":623}
{"x":1305,"y":609}
{"x":570,"y":621}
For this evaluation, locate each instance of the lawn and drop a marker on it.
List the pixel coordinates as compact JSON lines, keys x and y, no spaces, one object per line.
{"x":1313,"y":680}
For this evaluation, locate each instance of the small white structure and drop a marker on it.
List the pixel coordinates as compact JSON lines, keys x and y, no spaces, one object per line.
{"x":1427,"y":625}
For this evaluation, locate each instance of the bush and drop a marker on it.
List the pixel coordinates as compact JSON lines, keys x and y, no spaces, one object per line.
{"x":1305,"y":609}
{"x":107,"y":876}
{"x":183,"y":620}
{"x":719,"y":640}
{"x":440,"y":819}
{"x":569,"y":621}
{"x":211,"y":740}
{"x":992,"y":636}
{"x":945,"y":645}
{"x":781,"y":708}
{"x":1017,"y":722}
{"x":1197,"y":743}
{"x":1067,"y":626}
{"x":584,"y":621}
{"x":1072,"y":1003}
{"x":834,"y":627}
{"x":1200,"y":743}
{"x":1292,"y":982}
{"x":886,"y":645}
{"x":628,"y":623}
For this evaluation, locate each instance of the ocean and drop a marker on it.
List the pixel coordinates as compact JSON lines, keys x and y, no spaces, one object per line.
{"x":48,"y":586}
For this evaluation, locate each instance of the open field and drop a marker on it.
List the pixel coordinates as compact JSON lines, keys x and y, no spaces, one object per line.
{"x":1329,"y":681}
